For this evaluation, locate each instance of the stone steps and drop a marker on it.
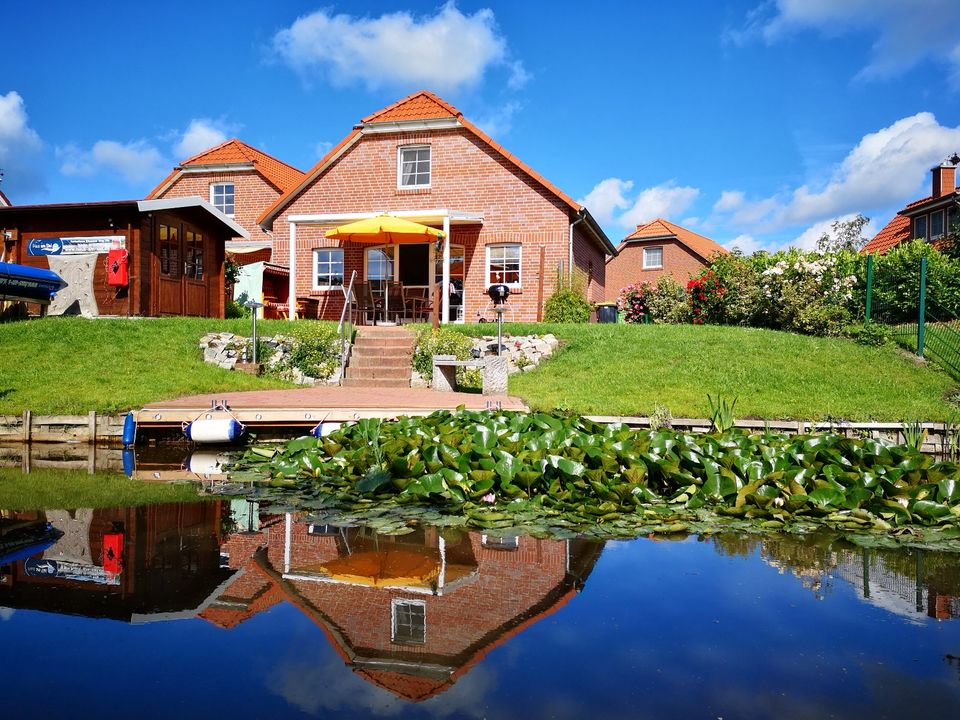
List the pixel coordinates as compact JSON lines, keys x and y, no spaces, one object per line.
{"x":381,"y":357}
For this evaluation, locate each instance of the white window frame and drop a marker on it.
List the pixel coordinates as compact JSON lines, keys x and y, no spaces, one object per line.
{"x":943,"y":222}
{"x":394,"y":604}
{"x":233,"y":195}
{"x":647,"y":265}
{"x":514,"y":285}
{"x":316,"y":267}
{"x":421,"y":186}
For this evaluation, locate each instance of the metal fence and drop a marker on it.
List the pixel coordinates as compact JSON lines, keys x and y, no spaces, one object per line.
{"x":916,"y":319}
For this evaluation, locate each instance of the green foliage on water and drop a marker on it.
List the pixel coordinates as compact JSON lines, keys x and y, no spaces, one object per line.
{"x":542,"y":473}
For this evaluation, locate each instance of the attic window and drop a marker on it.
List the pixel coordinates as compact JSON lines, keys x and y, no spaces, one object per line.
{"x":221,"y":197}
{"x":653,"y":258}
{"x":936,"y":225}
{"x":408,"y":622}
{"x":413,"y":167}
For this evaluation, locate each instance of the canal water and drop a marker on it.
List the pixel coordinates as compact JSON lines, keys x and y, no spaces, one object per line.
{"x":222,"y":608}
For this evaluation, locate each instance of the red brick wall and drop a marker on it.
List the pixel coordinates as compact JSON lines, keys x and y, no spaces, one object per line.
{"x":627,"y":267}
{"x":252,"y":195}
{"x":468,"y":175}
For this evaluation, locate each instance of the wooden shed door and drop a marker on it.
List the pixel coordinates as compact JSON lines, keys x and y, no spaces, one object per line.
{"x":170,"y":300}
{"x":194,"y":275}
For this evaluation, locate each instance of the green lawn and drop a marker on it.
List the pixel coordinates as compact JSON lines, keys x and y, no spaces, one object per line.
{"x":73,"y":365}
{"x":43,"y":489}
{"x":627,"y":369}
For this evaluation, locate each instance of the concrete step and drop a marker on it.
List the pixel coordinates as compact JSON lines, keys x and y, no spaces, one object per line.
{"x":389,"y":356}
{"x":379,"y":372}
{"x":384,"y":342}
{"x":378,"y":382}
{"x":373,"y":361}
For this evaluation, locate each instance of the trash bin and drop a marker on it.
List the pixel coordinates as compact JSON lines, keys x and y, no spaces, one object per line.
{"x":607,"y":312}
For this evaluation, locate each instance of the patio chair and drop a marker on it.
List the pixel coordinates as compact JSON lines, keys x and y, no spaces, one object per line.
{"x":416,"y":303}
{"x":367,"y":307}
{"x":395,"y":304}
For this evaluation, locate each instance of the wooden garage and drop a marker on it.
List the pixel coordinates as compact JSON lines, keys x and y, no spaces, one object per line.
{"x":132,"y":257}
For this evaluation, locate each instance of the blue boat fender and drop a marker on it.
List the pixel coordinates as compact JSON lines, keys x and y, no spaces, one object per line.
{"x":129,"y":462}
{"x":129,"y":430}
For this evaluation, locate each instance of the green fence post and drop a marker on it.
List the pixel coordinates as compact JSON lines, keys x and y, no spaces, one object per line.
{"x":921,"y":310}
{"x":869,"y":302}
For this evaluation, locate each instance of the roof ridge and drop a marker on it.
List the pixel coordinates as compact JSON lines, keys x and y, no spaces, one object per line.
{"x":205,"y":152}
{"x":409,"y":98}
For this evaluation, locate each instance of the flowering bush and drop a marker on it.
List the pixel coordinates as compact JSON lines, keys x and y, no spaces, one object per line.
{"x":706,"y":298}
{"x":634,"y":302}
{"x":807,"y":293}
{"x":665,"y":302}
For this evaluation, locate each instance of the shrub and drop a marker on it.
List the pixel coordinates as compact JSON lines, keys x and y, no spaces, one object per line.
{"x":315,"y":349}
{"x":567,"y":305}
{"x":634,"y":301}
{"x":440,"y":342}
{"x":897,"y":281}
{"x":235,"y":309}
{"x":705,"y":294}
{"x":740,"y":280}
{"x":873,"y":334}
{"x":665,"y":302}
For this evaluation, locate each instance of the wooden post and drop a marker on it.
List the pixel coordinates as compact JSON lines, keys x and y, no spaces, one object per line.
{"x":27,"y":415}
{"x":92,"y":427}
{"x":543,"y":252}
{"x":436,"y":306}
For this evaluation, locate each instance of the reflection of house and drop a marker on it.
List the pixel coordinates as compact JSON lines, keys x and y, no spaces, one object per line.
{"x":932,"y":219}
{"x":133,"y":564}
{"x":414,"y":613}
{"x":420,"y":158}
{"x":658,"y":248}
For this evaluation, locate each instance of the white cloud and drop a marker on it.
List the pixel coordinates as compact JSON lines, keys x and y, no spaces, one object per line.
{"x":136,"y":162}
{"x":906,"y":33}
{"x":499,"y":122}
{"x":201,"y":134}
{"x":886,"y":168}
{"x":446,"y":51}
{"x":322,"y":148}
{"x":747,"y":244}
{"x":691,"y":221}
{"x":20,"y":148}
{"x":611,"y":195}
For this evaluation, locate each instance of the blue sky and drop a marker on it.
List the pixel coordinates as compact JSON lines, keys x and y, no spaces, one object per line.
{"x":755,"y":122}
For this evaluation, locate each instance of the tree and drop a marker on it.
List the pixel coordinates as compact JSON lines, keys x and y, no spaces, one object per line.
{"x":844,"y":235}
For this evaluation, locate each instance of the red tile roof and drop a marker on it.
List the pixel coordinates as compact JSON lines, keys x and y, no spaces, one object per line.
{"x":894,"y":232}
{"x":282,"y":176}
{"x":660,"y":229}
{"x":422,"y":105}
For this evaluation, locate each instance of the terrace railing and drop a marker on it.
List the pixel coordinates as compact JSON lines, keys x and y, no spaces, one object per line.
{"x":345,"y":326}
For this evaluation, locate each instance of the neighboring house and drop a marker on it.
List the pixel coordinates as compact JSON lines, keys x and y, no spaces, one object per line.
{"x":240,"y":181}
{"x":932,"y":219}
{"x":421,"y":159}
{"x":658,"y":248}
{"x":3,"y":200}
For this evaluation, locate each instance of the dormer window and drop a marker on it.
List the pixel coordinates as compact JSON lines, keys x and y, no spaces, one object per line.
{"x":920,"y":227}
{"x":936,"y":225}
{"x":413,"y":167}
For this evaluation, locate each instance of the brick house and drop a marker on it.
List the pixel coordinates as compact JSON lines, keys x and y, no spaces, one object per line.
{"x":240,"y":181}
{"x":419,"y":158}
{"x":932,"y":218}
{"x":658,"y":248}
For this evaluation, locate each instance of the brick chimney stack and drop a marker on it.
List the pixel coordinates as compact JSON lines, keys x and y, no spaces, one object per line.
{"x":945,"y":177}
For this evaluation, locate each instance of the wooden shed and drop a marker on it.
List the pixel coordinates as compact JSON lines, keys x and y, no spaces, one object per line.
{"x":130,"y":257}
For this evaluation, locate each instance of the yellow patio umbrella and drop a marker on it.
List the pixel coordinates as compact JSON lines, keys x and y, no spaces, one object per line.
{"x":385,"y":229}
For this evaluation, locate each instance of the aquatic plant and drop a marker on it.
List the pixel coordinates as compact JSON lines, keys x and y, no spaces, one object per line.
{"x":572,"y":473}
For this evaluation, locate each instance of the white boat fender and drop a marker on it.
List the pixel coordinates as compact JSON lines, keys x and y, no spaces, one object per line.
{"x":325,"y":428}
{"x":206,"y":463}
{"x":214,"y":430}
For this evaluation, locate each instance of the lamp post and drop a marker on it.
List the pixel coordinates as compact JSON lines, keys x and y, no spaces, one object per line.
{"x":254,"y":305}
{"x":499,"y":293}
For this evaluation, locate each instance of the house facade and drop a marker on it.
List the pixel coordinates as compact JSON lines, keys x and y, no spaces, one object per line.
{"x":654,"y":249}
{"x":933,"y":218}
{"x":241,"y":182}
{"x":422,"y":160}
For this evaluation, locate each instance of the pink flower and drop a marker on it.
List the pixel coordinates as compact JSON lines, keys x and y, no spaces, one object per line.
{"x":488,"y":498}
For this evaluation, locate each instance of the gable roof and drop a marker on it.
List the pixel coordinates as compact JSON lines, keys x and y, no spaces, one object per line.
{"x":661,"y":229}
{"x":276,"y":172}
{"x":3,"y":199}
{"x":424,"y":106}
{"x":893,"y":233}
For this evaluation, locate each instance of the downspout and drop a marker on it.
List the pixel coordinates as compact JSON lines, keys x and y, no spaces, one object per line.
{"x":580,"y":218}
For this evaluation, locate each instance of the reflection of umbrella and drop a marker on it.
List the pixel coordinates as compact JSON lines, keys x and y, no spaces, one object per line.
{"x":385,"y":229}
{"x":395,"y":567}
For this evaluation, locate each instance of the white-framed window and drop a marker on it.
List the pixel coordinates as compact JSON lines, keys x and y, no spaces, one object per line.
{"x":413,"y":167}
{"x":653,"y":258}
{"x":507,"y":542}
{"x":327,"y":268}
{"x":920,"y":227}
{"x":221,"y":197}
{"x":503,"y":264}
{"x":408,"y":622}
{"x":936,"y":225}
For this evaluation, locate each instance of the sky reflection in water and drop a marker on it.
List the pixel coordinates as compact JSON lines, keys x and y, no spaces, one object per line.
{"x":217,"y":611}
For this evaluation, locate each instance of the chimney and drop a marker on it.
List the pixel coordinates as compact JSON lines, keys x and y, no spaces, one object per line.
{"x":945,"y":176}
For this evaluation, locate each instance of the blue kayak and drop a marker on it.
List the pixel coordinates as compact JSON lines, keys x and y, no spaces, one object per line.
{"x":23,"y":283}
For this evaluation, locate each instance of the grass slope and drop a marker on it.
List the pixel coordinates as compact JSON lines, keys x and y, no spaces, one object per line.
{"x":43,"y":489}
{"x":73,"y":365}
{"x":628,"y":369}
